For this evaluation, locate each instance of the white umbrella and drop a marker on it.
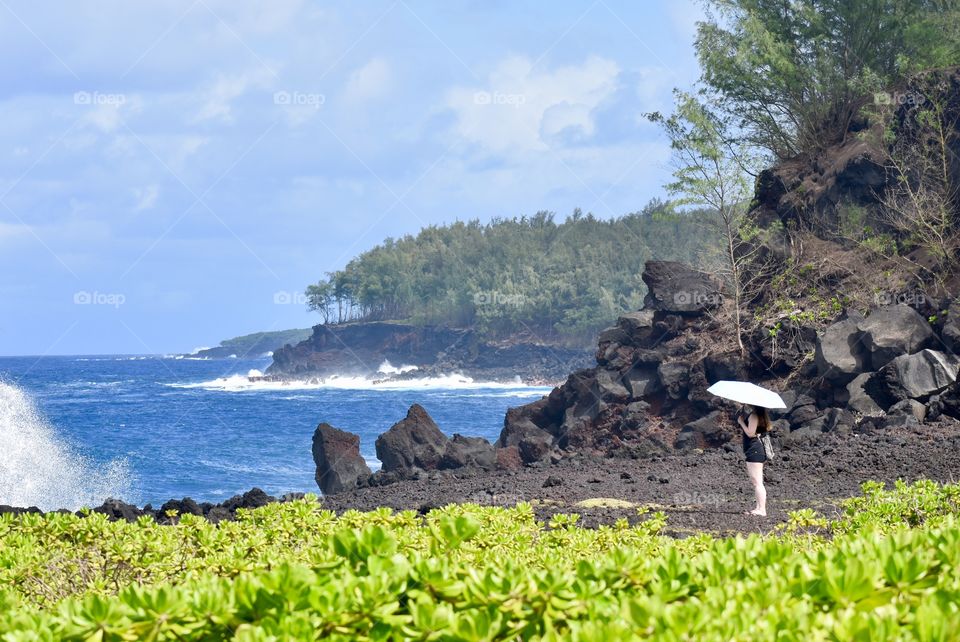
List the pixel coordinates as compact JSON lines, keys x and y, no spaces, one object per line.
{"x":748,"y":393}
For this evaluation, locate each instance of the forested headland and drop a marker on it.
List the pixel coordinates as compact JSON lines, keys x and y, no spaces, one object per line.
{"x":556,"y":280}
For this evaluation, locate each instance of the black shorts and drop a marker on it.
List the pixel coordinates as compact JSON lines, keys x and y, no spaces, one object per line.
{"x":755,"y":453}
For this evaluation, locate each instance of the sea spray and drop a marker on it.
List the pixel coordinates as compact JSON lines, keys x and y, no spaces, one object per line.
{"x":252,"y":382}
{"x":37,"y":468}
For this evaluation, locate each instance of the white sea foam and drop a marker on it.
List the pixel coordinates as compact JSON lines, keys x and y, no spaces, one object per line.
{"x":455,"y":381}
{"x":37,"y":468}
{"x":388,"y":368}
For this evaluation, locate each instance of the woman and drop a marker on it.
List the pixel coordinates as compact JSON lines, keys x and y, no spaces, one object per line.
{"x":755,"y":426}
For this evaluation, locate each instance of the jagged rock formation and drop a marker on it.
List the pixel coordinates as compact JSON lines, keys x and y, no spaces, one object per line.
{"x":652,"y":370}
{"x":337,"y":456}
{"x":415,"y":442}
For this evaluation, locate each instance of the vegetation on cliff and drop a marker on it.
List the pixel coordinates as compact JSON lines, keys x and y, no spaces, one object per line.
{"x":792,"y":76}
{"x":254,"y":345}
{"x":860,"y":206}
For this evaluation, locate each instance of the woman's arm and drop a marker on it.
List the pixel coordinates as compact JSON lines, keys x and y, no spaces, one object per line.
{"x":749,"y":428}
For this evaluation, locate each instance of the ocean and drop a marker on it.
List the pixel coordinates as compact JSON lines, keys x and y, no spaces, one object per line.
{"x":76,"y":430}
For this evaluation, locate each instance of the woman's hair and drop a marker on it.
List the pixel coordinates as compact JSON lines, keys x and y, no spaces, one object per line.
{"x":763,"y":418}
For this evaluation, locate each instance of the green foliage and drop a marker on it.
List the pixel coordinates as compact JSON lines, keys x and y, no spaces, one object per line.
{"x":792,"y":74}
{"x":253,"y":345}
{"x":511,"y":276}
{"x":884,"y":569}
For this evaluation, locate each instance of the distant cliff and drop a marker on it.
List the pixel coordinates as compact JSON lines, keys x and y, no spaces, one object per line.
{"x":253,"y":345}
{"x":360,"y":349}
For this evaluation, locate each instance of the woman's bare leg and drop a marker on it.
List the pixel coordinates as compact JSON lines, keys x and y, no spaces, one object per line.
{"x":755,"y":471}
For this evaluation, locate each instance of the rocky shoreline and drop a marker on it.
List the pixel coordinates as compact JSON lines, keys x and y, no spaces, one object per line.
{"x":646,"y":396}
{"x":878,"y":400}
{"x":698,"y":490}
{"x":360,"y":348}
{"x":171,"y":510}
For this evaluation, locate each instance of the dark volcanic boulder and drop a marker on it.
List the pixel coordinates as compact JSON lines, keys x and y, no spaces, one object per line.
{"x":253,"y":498}
{"x":951,"y":328}
{"x":725,"y":365}
{"x":859,"y":399}
{"x":642,"y":381}
{"x":839,"y":352}
{"x":675,"y":378}
{"x":707,"y":430}
{"x":336,"y":454}
{"x":532,"y":443}
{"x":675,"y":287}
{"x":636,"y":323}
{"x":910,"y":407}
{"x":185,"y":506}
{"x":637,"y":326}
{"x":892,"y":331}
{"x":412,"y":442}
{"x":468,"y":452}
{"x":609,"y":387}
{"x":115,"y":510}
{"x":802,"y":410}
{"x":917,"y":376}
{"x":832,"y":420}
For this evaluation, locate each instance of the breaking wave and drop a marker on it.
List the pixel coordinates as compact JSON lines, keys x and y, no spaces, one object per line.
{"x":37,"y":468}
{"x":253,"y":381}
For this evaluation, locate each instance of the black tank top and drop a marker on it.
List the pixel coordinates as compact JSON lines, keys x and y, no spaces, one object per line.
{"x":752,"y":442}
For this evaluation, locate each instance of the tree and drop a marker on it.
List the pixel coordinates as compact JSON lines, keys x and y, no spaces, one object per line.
{"x":320,"y":299}
{"x":792,"y":73}
{"x":712,"y":170}
{"x":561,"y":281}
{"x":923,"y":203}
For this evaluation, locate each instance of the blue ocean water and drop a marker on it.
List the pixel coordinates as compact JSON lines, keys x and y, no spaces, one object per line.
{"x":181,"y":427}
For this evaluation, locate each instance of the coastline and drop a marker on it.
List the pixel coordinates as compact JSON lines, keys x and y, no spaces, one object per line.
{"x":699,"y":491}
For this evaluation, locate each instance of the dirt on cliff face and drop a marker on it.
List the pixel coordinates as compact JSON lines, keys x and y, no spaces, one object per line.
{"x":699,"y":491}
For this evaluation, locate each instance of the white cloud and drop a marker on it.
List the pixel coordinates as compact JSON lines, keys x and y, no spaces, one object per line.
{"x":521,"y":108}
{"x":368,"y":82}
{"x":219,"y":97}
{"x":12,"y":231}
{"x":106,"y":112}
{"x":146,"y":197}
{"x":184,"y":148}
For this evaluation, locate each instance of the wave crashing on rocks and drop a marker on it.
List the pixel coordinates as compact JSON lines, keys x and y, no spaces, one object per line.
{"x":38,"y":468}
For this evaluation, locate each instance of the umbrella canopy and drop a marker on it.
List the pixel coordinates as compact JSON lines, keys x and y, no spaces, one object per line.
{"x":746,"y":392}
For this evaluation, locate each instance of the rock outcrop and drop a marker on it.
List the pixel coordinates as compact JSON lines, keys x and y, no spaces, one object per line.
{"x":675,"y":287}
{"x":360,"y":348}
{"x":892,"y":331}
{"x":336,"y":454}
{"x":917,"y":376}
{"x":840,"y":353}
{"x":414,"y":442}
{"x":468,"y":452}
{"x":644,"y":373}
{"x":172,"y":510}
{"x":856,"y":344}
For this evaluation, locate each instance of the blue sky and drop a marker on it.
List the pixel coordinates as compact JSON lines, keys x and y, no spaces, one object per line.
{"x":175,"y":173}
